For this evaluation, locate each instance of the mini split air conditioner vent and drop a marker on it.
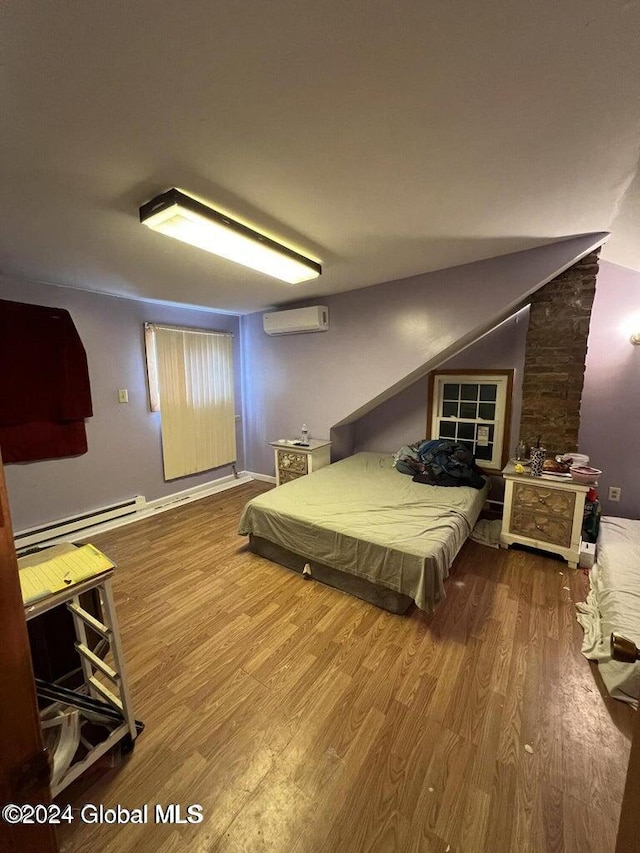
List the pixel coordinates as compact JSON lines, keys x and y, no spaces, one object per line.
{"x":312,"y":319}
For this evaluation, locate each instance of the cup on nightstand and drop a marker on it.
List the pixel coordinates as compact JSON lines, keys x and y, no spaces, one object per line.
{"x":538,"y":455}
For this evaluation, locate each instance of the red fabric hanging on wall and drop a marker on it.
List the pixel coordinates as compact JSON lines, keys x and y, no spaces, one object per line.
{"x":45,"y":393}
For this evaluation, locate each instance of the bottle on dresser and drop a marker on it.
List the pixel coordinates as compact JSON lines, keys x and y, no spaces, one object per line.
{"x":304,"y":434}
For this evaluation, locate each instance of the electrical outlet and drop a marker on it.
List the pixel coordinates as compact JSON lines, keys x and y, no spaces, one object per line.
{"x":123,"y":395}
{"x":614,"y":493}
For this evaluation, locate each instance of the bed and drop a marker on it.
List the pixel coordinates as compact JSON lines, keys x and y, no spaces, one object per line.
{"x":613,"y":605}
{"x":365,"y":528}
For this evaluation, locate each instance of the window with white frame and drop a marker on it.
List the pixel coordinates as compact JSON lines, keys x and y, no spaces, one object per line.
{"x":473,"y":409}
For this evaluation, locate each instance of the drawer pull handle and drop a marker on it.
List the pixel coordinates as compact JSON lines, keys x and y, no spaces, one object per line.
{"x":538,"y":527}
{"x":541,"y":500}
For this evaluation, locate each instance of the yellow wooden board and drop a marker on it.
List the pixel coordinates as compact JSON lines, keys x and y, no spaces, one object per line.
{"x":61,"y":572}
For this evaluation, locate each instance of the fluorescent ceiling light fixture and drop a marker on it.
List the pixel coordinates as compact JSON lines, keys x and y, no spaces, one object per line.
{"x":178,"y":215}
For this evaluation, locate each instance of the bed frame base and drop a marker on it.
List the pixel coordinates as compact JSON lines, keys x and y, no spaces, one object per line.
{"x":387,"y":599}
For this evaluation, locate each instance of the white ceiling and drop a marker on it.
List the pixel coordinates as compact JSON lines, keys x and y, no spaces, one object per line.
{"x":385,"y":139}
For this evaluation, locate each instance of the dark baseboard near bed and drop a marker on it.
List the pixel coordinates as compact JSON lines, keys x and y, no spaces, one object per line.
{"x":387,"y":599}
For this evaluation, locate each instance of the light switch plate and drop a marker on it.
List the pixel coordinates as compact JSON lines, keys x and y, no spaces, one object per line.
{"x":123,"y":395}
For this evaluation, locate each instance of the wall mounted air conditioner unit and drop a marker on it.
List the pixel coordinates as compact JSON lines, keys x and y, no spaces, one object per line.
{"x":312,"y":319}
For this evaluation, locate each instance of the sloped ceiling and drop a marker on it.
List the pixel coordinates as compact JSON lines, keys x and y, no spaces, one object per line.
{"x":385,"y":139}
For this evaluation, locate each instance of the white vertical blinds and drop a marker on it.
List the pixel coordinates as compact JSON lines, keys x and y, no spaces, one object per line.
{"x":194,"y":372}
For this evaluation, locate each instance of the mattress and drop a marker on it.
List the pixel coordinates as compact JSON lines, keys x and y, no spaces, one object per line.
{"x":362,"y":517}
{"x":613,"y":604}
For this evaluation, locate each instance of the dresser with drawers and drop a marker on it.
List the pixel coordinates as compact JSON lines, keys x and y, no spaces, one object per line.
{"x":544,"y":513}
{"x":293,"y":461}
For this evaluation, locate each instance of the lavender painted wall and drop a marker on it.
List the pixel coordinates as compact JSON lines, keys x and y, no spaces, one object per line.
{"x":610,"y":414}
{"x":124,"y":457}
{"x":381,"y":339}
{"x":399,"y":420}
{"x":403,"y":418}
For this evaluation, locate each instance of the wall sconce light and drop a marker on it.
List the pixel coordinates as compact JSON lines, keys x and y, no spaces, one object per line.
{"x":178,"y":215}
{"x":635,"y":338}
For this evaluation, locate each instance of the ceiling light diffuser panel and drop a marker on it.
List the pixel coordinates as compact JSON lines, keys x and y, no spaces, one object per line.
{"x":178,"y":215}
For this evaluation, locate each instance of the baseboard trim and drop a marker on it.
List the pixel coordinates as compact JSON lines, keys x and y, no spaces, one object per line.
{"x":159,"y":505}
{"x":197,"y":492}
{"x":264,"y":477}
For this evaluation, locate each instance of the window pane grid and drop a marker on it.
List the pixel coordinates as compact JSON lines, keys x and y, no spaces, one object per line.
{"x":467,"y":405}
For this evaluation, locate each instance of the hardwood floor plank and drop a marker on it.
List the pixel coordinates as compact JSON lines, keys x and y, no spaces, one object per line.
{"x":473,"y":826}
{"x":549,"y":816}
{"x":326,"y":801}
{"x":509,"y":744}
{"x":502,"y":810}
{"x":488,"y":742}
{"x":469,"y":703}
{"x":506,"y":619}
{"x":419,"y":670}
{"x":587,"y":828}
{"x":369,"y":810}
{"x":449,"y":660}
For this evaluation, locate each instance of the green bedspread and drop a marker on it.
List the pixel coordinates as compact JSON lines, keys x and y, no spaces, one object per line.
{"x":363,"y":517}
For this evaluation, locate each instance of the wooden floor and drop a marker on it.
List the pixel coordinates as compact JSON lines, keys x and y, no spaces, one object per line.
{"x":307,"y":721}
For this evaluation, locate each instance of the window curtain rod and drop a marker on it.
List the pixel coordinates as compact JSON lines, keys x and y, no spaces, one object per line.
{"x":157,"y":326}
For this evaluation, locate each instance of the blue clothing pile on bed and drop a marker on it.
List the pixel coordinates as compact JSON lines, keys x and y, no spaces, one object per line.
{"x":439,"y":462}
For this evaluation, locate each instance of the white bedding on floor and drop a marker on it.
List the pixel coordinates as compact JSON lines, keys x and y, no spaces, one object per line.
{"x":613,"y":604}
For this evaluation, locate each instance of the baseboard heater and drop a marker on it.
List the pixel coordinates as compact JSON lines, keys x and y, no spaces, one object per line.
{"x":73,"y":526}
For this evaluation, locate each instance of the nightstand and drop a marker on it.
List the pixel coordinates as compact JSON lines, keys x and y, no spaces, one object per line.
{"x":293,"y":461}
{"x":544,"y":513}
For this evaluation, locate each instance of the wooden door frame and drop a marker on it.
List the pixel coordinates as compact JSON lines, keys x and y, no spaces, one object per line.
{"x":24,"y":768}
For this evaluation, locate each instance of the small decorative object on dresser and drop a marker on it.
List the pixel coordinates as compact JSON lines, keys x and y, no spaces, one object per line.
{"x":522,"y":452}
{"x":293,"y":459}
{"x":543,"y":512}
{"x":538,"y":455}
